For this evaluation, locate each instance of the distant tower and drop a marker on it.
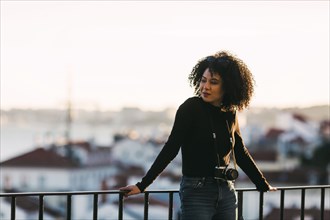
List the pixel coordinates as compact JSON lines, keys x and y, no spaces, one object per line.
{"x":68,"y":120}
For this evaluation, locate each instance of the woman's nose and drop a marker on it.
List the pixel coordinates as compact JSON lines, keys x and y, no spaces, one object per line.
{"x":207,"y":85}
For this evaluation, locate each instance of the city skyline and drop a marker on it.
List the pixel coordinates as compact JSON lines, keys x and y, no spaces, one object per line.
{"x":110,"y":54}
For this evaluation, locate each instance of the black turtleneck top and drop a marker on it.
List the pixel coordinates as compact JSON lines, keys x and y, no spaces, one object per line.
{"x":192,"y":132}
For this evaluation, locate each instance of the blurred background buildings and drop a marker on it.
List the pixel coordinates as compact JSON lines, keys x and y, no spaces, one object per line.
{"x":68,"y":69}
{"x":107,"y":150}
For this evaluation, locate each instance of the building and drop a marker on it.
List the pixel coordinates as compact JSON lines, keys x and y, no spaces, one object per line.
{"x":76,"y":166}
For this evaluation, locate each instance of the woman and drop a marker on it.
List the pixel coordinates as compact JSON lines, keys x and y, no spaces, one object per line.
{"x":206,"y":129}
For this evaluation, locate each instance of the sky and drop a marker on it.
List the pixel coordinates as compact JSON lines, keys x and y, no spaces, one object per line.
{"x":112,"y":54}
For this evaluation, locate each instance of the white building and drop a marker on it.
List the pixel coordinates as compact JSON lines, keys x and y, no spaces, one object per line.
{"x":51,"y":170}
{"x":79,"y":166}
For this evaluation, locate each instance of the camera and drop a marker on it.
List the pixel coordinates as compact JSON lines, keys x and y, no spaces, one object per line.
{"x":225,"y":174}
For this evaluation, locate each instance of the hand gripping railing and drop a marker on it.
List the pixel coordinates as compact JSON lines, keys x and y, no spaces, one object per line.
{"x":95,"y":194}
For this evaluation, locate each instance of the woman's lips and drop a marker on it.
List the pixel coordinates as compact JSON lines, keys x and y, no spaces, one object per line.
{"x":205,"y":94}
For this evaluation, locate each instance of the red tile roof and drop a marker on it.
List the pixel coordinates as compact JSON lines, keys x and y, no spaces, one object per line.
{"x":274,"y":133}
{"x":299,"y":117}
{"x":39,"y":157}
{"x":264,"y":155}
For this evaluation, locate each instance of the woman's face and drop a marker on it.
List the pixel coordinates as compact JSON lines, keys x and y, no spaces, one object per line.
{"x":210,"y":88}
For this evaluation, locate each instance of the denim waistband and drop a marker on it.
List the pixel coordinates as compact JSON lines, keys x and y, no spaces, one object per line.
{"x":205,"y":179}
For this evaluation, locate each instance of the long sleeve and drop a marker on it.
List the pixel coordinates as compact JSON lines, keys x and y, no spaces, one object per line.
{"x":246,"y":162}
{"x":171,"y":148}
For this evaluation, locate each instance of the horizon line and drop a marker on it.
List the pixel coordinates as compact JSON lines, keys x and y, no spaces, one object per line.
{"x":155,"y":109}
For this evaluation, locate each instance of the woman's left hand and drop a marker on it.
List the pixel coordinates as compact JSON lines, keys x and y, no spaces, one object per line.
{"x":272,"y":189}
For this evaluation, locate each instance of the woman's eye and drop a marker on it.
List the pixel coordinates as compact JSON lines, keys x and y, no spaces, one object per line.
{"x":214,"y":82}
{"x":203,"y":80}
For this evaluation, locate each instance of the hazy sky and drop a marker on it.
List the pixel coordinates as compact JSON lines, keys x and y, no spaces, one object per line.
{"x":139,"y":53}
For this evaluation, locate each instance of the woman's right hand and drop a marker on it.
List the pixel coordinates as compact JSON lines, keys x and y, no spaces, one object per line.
{"x":130,"y":190}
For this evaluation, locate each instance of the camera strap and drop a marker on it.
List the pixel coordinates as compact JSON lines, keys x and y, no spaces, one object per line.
{"x":230,"y":139}
{"x":232,"y":144}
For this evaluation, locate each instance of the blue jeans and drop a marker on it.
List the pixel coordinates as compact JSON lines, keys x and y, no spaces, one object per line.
{"x":204,"y":198}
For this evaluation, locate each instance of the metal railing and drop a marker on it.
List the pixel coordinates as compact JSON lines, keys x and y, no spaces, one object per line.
{"x":240,"y":193}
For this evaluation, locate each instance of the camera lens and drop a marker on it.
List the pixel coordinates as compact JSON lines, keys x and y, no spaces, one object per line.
{"x":232,"y":174}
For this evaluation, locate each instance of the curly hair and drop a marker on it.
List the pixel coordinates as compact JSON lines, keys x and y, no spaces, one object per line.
{"x":238,"y":81}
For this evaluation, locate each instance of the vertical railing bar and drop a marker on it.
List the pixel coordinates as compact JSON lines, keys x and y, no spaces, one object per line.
{"x":68,"y":207}
{"x":322,"y":202}
{"x":41,"y":207}
{"x":146,"y":205}
{"x":240,"y":203}
{"x":302,"y":208}
{"x":95,"y":205}
{"x":170,"y":208}
{"x":261,"y":205}
{"x":282,"y":205}
{"x":13,"y":207}
{"x":121,"y":206}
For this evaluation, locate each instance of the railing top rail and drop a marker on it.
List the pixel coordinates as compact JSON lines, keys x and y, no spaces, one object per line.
{"x":289,"y":188}
{"x":148,"y":191}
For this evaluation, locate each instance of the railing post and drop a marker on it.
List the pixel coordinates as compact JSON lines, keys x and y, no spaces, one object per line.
{"x":95,"y":206}
{"x":146,"y":205}
{"x":302,"y":209}
{"x":261,"y":205}
{"x":282,"y":205}
{"x":41,"y":207}
{"x":68,"y":207}
{"x":322,"y":202}
{"x":13,"y":207}
{"x":170,"y":208}
{"x":240,"y":203}
{"x":121,"y":205}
